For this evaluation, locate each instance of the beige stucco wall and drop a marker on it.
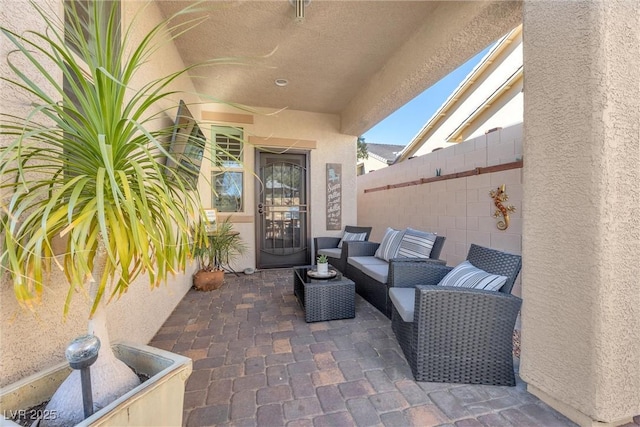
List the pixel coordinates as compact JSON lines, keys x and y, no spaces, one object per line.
{"x":331,"y":147}
{"x":461,"y":208}
{"x":31,"y":342}
{"x":581,"y":237}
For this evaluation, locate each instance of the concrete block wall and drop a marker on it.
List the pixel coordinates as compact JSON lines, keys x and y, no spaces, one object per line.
{"x":459,"y":208}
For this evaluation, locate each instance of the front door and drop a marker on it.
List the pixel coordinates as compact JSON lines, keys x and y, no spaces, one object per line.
{"x":282,"y":217}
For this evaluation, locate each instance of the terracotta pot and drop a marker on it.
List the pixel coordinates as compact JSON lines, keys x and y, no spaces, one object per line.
{"x":208,"y":280}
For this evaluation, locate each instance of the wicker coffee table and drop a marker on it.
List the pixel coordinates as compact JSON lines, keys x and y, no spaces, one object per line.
{"x":324,"y":299}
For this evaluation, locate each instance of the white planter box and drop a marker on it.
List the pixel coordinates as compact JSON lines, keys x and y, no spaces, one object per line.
{"x":157,"y":401}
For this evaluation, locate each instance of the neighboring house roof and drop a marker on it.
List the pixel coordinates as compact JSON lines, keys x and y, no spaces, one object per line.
{"x":379,"y":156}
{"x":460,"y":95}
{"x":515,"y":78}
{"x":384,"y":152}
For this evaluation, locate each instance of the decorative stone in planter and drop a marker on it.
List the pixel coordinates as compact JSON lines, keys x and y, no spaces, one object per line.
{"x":157,"y":401}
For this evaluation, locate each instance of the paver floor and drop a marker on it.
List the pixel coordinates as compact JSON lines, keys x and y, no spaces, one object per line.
{"x":256,"y":362}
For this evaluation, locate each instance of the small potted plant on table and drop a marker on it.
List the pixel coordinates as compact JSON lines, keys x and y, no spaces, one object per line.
{"x":323,"y":265}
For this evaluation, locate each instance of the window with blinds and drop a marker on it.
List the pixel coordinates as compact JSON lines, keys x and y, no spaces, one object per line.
{"x":227,"y":175}
{"x":227,"y":147}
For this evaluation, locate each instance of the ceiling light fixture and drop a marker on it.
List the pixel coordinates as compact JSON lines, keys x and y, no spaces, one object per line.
{"x":281,"y":82}
{"x":299,"y":5}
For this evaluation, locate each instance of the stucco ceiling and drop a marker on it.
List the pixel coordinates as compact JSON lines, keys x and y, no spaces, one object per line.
{"x":359,"y":59}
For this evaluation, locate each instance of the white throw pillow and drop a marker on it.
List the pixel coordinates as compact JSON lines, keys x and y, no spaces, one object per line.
{"x":465,"y":275}
{"x":352,"y":237}
{"x":388,"y":248}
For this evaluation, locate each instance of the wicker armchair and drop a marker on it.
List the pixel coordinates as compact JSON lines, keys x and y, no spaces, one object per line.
{"x":329,"y":246}
{"x":459,"y":335}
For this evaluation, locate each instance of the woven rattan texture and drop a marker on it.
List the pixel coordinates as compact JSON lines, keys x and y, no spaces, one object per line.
{"x":325,"y":299}
{"x":401,"y":270}
{"x":496,"y":262}
{"x":332,"y":242}
{"x":461,"y":335}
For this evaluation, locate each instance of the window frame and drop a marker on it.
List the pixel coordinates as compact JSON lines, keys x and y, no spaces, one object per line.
{"x":221,"y":169}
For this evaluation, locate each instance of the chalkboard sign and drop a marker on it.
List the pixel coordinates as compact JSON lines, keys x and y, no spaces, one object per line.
{"x":334,"y":196}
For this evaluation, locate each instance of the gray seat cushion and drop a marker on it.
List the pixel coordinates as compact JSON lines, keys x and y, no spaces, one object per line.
{"x":404,"y":300}
{"x":330,"y":252}
{"x":373,"y":267}
{"x":359,"y":261}
{"x":379,"y":273}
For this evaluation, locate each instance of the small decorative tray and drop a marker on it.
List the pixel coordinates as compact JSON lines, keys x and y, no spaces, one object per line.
{"x":315,"y":275}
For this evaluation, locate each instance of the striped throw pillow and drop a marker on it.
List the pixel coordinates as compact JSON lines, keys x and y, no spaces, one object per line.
{"x":388,"y":248}
{"x":416,"y":244}
{"x":465,"y":275}
{"x":352,"y":237}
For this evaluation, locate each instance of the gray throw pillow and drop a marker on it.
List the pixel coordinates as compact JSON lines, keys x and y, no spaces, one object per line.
{"x":416,"y":244}
{"x":388,"y":248}
{"x":466,"y":275}
{"x":352,"y":237}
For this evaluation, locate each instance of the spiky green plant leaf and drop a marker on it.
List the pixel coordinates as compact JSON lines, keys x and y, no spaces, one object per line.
{"x":85,"y":164}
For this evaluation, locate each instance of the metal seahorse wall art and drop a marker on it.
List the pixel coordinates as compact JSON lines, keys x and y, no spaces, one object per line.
{"x":499,"y":196}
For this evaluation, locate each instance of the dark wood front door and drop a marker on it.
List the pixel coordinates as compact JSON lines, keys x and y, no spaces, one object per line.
{"x":282,"y":215}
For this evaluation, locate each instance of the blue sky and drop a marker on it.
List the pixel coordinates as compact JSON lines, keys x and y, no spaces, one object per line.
{"x":401,"y":126}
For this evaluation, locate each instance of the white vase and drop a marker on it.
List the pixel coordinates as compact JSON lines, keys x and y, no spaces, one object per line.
{"x":323,"y":268}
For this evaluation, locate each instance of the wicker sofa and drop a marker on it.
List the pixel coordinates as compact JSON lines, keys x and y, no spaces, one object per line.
{"x":459,"y":334}
{"x":337,"y":256}
{"x":373,"y":276}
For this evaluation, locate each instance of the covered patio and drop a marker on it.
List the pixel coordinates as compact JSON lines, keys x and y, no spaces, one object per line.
{"x":257,"y":362}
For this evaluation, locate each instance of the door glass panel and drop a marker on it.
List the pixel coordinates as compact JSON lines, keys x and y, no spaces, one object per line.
{"x":283,"y":211}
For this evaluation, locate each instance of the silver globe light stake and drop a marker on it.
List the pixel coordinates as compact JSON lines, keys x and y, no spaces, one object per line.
{"x":81,"y":353}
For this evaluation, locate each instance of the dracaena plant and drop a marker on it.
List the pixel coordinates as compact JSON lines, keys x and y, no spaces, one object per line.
{"x":85,"y":163}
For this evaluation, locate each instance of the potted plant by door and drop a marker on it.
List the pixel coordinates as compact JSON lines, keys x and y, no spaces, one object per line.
{"x":86,"y":165}
{"x":222,"y":246}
